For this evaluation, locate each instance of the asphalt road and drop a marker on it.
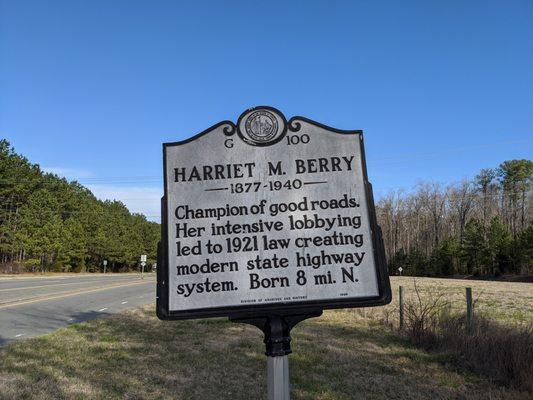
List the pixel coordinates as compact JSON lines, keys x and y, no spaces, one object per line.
{"x":31,"y":307}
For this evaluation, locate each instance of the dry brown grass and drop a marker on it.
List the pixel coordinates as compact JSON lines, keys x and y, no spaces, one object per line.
{"x":135,"y":356}
{"x":508,"y":302}
{"x":502,"y":353}
{"x":435,"y":319}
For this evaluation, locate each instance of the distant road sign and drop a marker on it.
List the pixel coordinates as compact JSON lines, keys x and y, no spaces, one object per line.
{"x":143,"y":263}
{"x":400,"y":269}
{"x":143,"y":257}
{"x":105,"y":263}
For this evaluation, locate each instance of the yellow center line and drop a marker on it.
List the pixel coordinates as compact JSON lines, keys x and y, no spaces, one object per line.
{"x":68,"y":294}
{"x":11,"y":278}
{"x":44,"y":286}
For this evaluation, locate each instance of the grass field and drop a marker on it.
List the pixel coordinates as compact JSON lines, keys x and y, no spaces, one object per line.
{"x":507,"y":302}
{"x":341,"y":355}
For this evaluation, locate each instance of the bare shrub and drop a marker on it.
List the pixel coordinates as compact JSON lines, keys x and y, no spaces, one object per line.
{"x":422,"y":316}
{"x":386,"y":317}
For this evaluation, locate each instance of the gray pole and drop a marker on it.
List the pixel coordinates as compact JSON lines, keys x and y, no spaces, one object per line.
{"x":277,"y":330}
{"x":401,"y":306}
{"x":278,"y":378}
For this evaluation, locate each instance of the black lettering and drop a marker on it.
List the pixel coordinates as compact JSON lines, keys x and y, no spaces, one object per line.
{"x":300,"y":166}
{"x":274,"y":170}
{"x":179,"y":174}
{"x":336,"y":164}
{"x":208,"y":169}
{"x":219,"y":171}
{"x":348,"y":162}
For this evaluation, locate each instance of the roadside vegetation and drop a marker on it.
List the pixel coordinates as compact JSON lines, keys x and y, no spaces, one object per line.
{"x":346,"y":354}
{"x":50,"y":224}
{"x":509,"y":303}
{"x":504,"y":353}
{"x":498,"y":340}
{"x":133,"y":355}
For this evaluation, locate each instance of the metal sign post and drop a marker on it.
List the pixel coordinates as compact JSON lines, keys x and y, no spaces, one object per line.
{"x":105,"y":265}
{"x":143,"y":263}
{"x":277,"y":331}
{"x":278,"y":378}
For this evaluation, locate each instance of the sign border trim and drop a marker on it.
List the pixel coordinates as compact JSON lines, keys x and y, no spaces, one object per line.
{"x":253,"y":311}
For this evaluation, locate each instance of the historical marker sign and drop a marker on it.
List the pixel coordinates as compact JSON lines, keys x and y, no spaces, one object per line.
{"x":268,"y":216}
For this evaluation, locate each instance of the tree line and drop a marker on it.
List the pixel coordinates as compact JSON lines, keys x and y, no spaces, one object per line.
{"x":50,"y":224}
{"x":480,"y":227}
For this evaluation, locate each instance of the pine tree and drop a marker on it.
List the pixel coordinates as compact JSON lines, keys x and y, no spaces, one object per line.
{"x":48,"y":223}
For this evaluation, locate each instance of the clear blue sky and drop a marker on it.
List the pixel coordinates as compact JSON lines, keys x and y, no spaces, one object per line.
{"x":90,"y":89}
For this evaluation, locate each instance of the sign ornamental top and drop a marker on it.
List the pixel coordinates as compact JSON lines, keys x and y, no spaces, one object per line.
{"x":267,"y":216}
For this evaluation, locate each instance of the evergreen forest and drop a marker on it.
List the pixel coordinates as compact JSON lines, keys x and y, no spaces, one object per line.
{"x":50,"y":224}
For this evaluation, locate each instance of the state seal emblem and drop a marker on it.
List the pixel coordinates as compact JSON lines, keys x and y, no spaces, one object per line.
{"x":262,"y":126}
